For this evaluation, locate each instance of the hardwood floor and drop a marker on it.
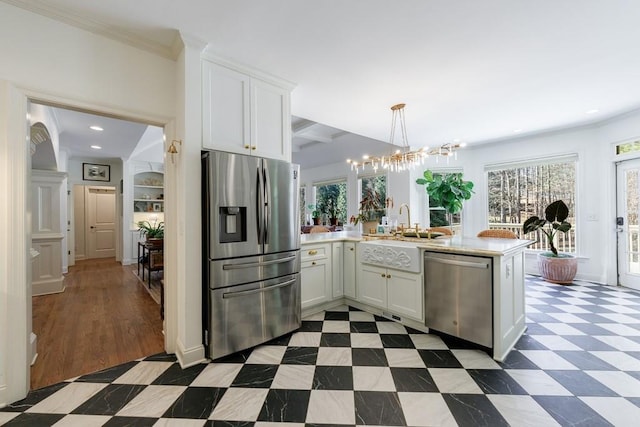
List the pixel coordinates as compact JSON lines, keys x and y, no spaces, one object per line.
{"x":102,"y":319}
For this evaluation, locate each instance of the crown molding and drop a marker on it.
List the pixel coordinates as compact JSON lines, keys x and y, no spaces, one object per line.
{"x":97,"y":27}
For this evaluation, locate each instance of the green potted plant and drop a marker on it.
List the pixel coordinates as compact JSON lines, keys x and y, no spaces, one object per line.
{"x":370,"y":211}
{"x":554,"y":267}
{"x":448,"y":191}
{"x":333,"y":211}
{"x":153,"y":232}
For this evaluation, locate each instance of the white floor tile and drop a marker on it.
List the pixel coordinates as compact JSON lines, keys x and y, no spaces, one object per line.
{"x":217,"y":375}
{"x":617,"y":410}
{"x":67,"y":398}
{"x":555,"y":342}
{"x":5,"y":417}
{"x":361,"y":316}
{"x":475,"y":359}
{"x":267,"y":355}
{"x":537,"y":301}
{"x":373,"y":378}
{"x":547,"y":359}
{"x":522,"y":411}
{"x":153,"y":401}
{"x":567,"y":308}
{"x":567,"y":318}
{"x":531,"y":309}
{"x":404,"y":358}
{"x":416,"y":405}
{"x":620,"y":309}
{"x":390,"y":328}
{"x":620,"y":382}
{"x":574,"y":301}
{"x":618,"y":359}
{"x":428,"y":342}
{"x":334,"y":356}
{"x":620,"y":318}
{"x":305,"y":339}
{"x":618,"y":329}
{"x":619,"y":343}
{"x":143,"y":373}
{"x":179,"y":422}
{"x":622,"y":301}
{"x":331,"y":407}
{"x":449,"y":380}
{"x":269,"y":424}
{"x":536,"y":382}
{"x":240,"y":404}
{"x":336,"y":326}
{"x":83,"y":421}
{"x":315,"y":317}
{"x":294,"y":377}
{"x":562,"y":329}
{"x":366,"y":341}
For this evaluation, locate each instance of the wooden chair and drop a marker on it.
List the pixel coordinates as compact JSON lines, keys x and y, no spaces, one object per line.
{"x":499,"y":233}
{"x":444,"y":230}
{"x":319,"y":229}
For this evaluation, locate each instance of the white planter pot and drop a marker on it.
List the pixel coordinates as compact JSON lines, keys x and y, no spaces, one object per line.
{"x":561,"y":270}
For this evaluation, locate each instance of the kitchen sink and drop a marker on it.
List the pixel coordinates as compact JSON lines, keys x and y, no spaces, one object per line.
{"x":397,"y":254}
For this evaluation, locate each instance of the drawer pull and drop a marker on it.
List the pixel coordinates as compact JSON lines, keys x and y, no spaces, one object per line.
{"x":313,"y":252}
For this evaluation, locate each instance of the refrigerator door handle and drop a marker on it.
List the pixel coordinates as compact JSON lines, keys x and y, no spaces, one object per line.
{"x":257,"y":264}
{"x":267,"y":203}
{"x":260,"y":206}
{"x":228,"y":295}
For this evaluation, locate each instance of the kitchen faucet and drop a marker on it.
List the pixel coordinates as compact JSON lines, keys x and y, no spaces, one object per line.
{"x":408,"y":214}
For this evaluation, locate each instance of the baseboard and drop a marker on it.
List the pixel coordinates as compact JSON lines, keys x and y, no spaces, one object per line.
{"x":189,"y":357}
{"x":47,"y":287}
{"x":3,"y":396}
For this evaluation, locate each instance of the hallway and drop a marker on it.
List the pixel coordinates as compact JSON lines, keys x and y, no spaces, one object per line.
{"x":102,"y":319}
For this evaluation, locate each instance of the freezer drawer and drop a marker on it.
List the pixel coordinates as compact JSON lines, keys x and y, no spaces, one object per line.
{"x":459,"y":297}
{"x":236,"y":271}
{"x":247,"y":315}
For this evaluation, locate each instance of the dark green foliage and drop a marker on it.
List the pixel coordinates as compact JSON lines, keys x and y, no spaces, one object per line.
{"x":447,"y":190}
{"x":152,"y":231}
{"x":555,"y":217}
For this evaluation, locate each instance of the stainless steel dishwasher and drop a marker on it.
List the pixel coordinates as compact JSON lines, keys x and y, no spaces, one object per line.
{"x":458,"y":296}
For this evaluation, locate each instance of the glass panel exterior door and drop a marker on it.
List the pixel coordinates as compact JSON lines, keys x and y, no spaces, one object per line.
{"x":628,"y":188}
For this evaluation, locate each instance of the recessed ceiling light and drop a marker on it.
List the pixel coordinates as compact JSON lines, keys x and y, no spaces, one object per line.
{"x":96,"y":128}
{"x":96,"y":147}
{"x":595,"y":110}
{"x":517,"y":130}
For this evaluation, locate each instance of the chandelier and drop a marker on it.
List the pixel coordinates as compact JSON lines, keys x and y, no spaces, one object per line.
{"x":403,"y":158}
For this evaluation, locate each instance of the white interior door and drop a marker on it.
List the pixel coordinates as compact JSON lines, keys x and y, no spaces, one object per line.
{"x":628,"y":210}
{"x":101,"y":222}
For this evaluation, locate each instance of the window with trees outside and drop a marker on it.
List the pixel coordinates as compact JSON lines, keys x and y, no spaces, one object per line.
{"x":378,"y":184}
{"x":331,"y":201}
{"x":518,"y":191}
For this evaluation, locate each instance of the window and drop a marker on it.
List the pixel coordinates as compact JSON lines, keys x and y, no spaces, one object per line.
{"x":376,"y":183}
{"x":518,"y":191}
{"x":331,"y":201}
{"x":438,"y":216}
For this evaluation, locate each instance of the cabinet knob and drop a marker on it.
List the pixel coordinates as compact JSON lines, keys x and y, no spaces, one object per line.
{"x":313,"y":252}
{"x":253,"y":147}
{"x":388,"y":276}
{"x":351,"y":249}
{"x":383,"y":275}
{"x":313,"y":263}
{"x":247,"y":146}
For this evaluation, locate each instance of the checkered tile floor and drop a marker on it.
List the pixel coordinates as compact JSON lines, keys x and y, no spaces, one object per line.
{"x":578,"y":364}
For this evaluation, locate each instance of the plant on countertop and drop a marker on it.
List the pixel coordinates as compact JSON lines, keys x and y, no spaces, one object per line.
{"x":371,"y":207}
{"x":447,"y":190}
{"x":152,"y":231}
{"x":555,"y":217}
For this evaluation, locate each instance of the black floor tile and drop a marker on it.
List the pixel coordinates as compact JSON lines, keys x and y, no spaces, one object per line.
{"x":32,"y":420}
{"x":581,"y":384}
{"x":587,"y":343}
{"x":108,"y":375}
{"x":527,"y":342}
{"x":474,"y":410}
{"x":542,"y":318}
{"x":131,"y":422}
{"x":570,"y":411}
{"x":175,"y":375}
{"x":333,"y":378}
{"x":496,"y":381}
{"x":381,"y":319}
{"x":634,"y":400}
{"x":585,"y":361}
{"x":33,"y":397}
{"x":368,"y":357}
{"x":255,"y":376}
{"x":335,"y":340}
{"x":363,"y":327}
{"x":546,"y":308}
{"x":220,"y":423}
{"x":161,"y":357}
{"x":593,"y":318}
{"x":285,"y":406}
{"x":239,"y":357}
{"x":110,"y":399}
{"x":439,"y":359}
{"x":516,"y":360}
{"x":282,"y":340}
{"x":535,"y":329}
{"x":311,"y":326}
{"x":590,"y":329}
{"x":195,"y":402}
{"x":336,"y":315}
{"x":378,"y":408}
{"x":300,"y":356}
{"x":396,"y":341}
{"x":413,"y":380}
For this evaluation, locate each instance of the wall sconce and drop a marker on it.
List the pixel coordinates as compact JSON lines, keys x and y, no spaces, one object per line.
{"x":173,"y":150}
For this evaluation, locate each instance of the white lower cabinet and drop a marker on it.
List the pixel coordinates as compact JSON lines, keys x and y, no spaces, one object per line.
{"x":349,"y":269}
{"x":337,"y":268}
{"x":316,"y":275}
{"x":396,"y":291}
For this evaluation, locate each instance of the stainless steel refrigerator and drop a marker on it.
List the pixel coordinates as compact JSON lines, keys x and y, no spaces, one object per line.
{"x":251,"y":248}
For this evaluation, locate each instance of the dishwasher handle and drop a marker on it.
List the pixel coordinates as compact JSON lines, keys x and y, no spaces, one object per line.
{"x":483,"y":265}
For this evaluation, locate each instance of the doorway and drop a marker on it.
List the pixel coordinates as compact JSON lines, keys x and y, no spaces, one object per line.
{"x":628,"y":230}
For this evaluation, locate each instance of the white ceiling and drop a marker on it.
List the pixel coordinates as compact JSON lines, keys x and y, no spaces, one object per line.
{"x":471,"y":70}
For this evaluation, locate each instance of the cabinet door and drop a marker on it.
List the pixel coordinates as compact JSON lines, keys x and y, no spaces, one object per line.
{"x":315,"y":279}
{"x":404,"y":292}
{"x":226,"y":107}
{"x":337,"y":268}
{"x":372,"y":286}
{"x":349,"y":269}
{"x":270,"y":121}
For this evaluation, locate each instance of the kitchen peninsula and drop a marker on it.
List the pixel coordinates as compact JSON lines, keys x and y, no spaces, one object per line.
{"x":387,"y":276}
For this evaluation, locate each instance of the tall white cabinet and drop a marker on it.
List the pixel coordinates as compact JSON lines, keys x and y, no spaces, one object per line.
{"x":244,"y":111}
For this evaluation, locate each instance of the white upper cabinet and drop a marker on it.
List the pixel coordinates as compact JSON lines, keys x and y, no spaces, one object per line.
{"x":243,"y":113}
